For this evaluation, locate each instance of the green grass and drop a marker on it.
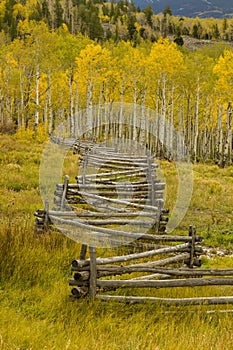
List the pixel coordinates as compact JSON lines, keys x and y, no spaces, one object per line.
{"x":36,"y":309}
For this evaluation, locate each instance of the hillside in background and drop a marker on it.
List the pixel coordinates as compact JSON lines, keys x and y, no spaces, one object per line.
{"x":191,"y":8}
{"x":120,"y":20}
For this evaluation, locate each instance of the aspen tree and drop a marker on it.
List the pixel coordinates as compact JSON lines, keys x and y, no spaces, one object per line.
{"x":164,"y":64}
{"x":92,"y":71}
{"x":224,"y":85}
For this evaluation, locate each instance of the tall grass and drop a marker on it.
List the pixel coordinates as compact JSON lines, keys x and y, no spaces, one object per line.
{"x":36,"y":309}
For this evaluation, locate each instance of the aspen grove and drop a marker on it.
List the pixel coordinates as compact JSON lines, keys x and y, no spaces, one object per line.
{"x":48,"y":76}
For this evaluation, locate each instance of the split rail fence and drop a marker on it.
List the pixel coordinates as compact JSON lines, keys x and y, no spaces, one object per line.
{"x":121,"y":207}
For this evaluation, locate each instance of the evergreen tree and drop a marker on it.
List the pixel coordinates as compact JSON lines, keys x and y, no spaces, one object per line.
{"x":216,"y":33}
{"x":10,"y":23}
{"x":46,"y":13}
{"x":149,"y":13}
{"x":58,"y":14}
{"x":167,"y":11}
{"x":131,"y":26}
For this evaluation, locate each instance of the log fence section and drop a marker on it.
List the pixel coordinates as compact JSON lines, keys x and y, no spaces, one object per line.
{"x":149,"y":274}
{"x":123,"y":192}
{"x":114,"y":205}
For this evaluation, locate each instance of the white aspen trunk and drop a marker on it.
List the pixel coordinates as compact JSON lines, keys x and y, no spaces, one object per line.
{"x":228,"y":138}
{"x":157,"y":119}
{"x":142,"y":131}
{"x":188,"y":124}
{"x":8,"y":118}
{"x":22,"y":119}
{"x":135,"y":111}
{"x":205,"y":139}
{"x":196,"y":128}
{"x":45,"y":111}
{"x":121,"y":110}
{"x":1,"y":109}
{"x":50,"y":106}
{"x":70,"y":79}
{"x":230,"y":134}
{"x":162,"y":135}
{"x":89,"y":104}
{"x":37,"y":98}
{"x":219,"y":137}
{"x":99,"y":114}
{"x":106,"y":117}
{"x":171,"y":124}
{"x":76,"y":108}
{"x":181,"y":128}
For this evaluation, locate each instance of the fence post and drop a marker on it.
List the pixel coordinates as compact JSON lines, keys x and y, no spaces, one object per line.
{"x":93,"y":272}
{"x":46,"y":218}
{"x":65,"y":188}
{"x":83,"y":252}
{"x":192,"y":233}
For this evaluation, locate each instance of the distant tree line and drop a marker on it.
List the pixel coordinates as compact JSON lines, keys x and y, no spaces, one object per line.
{"x":116,"y":20}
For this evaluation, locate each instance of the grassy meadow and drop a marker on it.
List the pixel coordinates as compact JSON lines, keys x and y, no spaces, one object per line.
{"x":36,"y":310}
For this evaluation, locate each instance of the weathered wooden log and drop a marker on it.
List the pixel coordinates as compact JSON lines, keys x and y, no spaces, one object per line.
{"x":124,"y":258}
{"x":79,"y":198}
{"x":85,"y":275}
{"x":135,"y":183}
{"x":191,"y":282}
{"x":107,"y":165}
{"x":106,"y":152}
{"x":118,"y":201}
{"x":121,"y":234}
{"x":157,"y":276}
{"x":144,"y":223}
{"x":169,"y":301}
{"x":112,"y":185}
{"x":192,"y":272}
{"x":126,"y":156}
{"x":82,"y":276}
{"x":141,"y":267}
{"x":119,"y":188}
{"x":118,"y":163}
{"x":94,"y":214}
{"x":73,"y":282}
{"x":105,"y":192}
{"x":133,"y":200}
{"x":139,"y":178}
{"x":79,"y":292}
{"x":127,"y":199}
{"x":57,"y":201}
{"x":116,"y":160}
{"x":131,"y":172}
